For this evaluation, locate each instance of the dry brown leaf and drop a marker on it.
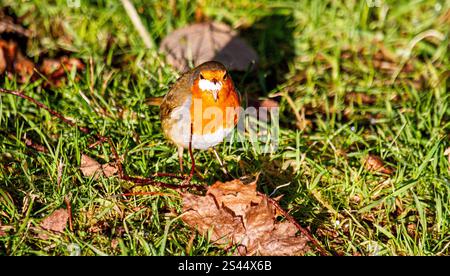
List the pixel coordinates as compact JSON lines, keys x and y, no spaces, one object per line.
{"x":23,"y":67}
{"x":208,"y":41}
{"x":109,"y":170}
{"x":203,"y":214}
{"x":55,"y":222}
{"x":234,"y":214}
{"x":55,"y":69}
{"x":15,"y":62}
{"x":374,"y":163}
{"x":2,"y":62}
{"x":235,"y":196}
{"x":91,"y":168}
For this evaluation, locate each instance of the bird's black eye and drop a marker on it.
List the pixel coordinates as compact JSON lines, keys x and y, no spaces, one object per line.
{"x":225,"y":76}
{"x":201,"y":76}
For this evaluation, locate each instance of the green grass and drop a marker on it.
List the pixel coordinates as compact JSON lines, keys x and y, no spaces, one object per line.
{"x":313,"y":52}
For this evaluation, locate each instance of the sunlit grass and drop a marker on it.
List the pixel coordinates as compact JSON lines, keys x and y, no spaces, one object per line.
{"x":315,"y":52}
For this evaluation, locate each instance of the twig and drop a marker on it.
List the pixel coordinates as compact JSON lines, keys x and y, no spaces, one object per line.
{"x":305,"y":232}
{"x":172,"y":175}
{"x":101,"y":139}
{"x":31,"y":144}
{"x":300,"y":118}
{"x":146,"y":193}
{"x":41,"y":105}
{"x":131,"y":11}
{"x":150,"y":181}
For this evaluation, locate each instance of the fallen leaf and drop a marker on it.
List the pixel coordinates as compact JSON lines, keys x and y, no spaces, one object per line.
{"x":202,"y":42}
{"x":234,"y":196}
{"x":109,"y":170}
{"x":235,"y":215}
{"x":23,"y":67}
{"x":91,"y":168}
{"x":55,"y":69}
{"x":374,"y":163}
{"x":15,"y":62}
{"x":55,"y":222}
{"x":2,"y":62}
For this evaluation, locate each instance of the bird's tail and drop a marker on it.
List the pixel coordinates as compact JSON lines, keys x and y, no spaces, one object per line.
{"x":155,"y":101}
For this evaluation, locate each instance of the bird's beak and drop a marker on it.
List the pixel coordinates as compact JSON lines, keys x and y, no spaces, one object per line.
{"x":215,"y":94}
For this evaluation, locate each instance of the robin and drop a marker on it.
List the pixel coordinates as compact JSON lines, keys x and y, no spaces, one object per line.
{"x":200,"y":110}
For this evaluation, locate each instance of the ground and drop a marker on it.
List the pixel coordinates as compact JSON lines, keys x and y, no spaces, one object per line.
{"x":352,"y":79}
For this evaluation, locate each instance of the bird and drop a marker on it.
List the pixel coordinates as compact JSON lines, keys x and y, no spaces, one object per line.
{"x":200,"y":110}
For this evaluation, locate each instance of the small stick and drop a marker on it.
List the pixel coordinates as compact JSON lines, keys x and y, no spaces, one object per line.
{"x":146,"y":193}
{"x":131,"y":11}
{"x":172,"y":175}
{"x":222,"y":164}
{"x":41,"y":105}
{"x":29,"y":143}
{"x":101,"y":139}
{"x":150,"y":181}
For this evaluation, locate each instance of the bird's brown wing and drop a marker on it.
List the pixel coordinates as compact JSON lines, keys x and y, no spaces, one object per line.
{"x":176,"y":97}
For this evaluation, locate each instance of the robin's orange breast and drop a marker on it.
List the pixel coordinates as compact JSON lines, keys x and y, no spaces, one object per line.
{"x":212,"y":120}
{"x":209,"y":115}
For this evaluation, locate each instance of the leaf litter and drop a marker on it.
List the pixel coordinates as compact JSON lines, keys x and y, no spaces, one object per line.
{"x":91,"y":168}
{"x":206,"y":41}
{"x":17,"y":65}
{"x":374,"y":163}
{"x":235,"y":215}
{"x":55,"y":222}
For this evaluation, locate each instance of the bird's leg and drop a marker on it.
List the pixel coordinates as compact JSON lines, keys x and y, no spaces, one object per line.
{"x":191,"y":174}
{"x":180,"y":158}
{"x":222,"y":165}
{"x":174,"y":175}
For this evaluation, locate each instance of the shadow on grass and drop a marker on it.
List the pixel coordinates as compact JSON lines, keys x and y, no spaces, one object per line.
{"x":272,"y":38}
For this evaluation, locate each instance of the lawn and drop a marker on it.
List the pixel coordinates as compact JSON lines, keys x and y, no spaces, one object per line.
{"x":352,"y":79}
